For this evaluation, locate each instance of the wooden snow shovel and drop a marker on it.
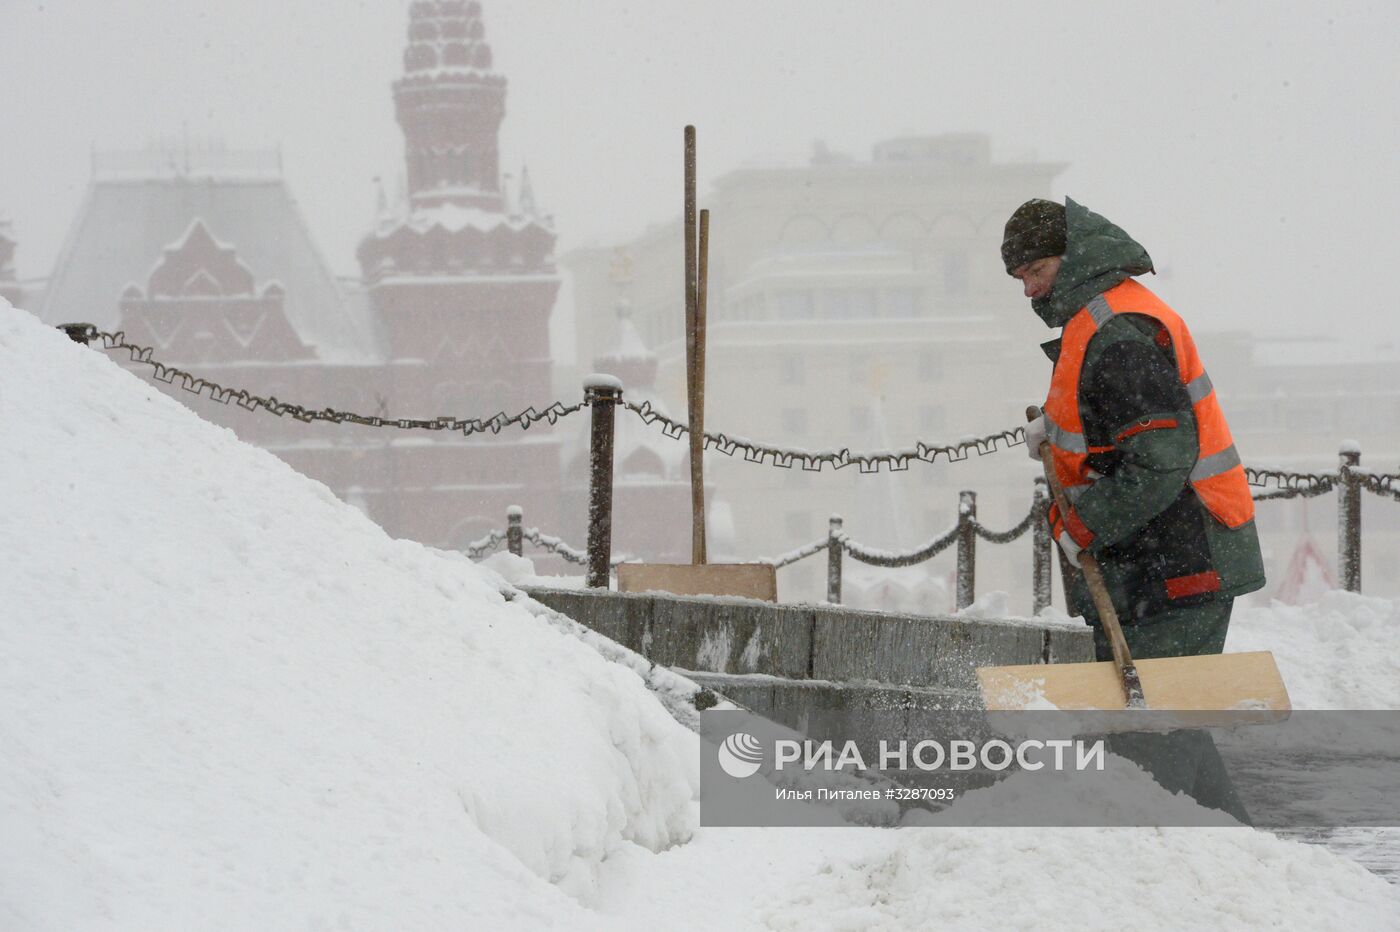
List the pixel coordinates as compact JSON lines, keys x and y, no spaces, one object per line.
{"x":1247,"y":682}
{"x":699,"y":577}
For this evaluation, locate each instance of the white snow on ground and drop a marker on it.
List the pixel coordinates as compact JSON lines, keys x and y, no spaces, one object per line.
{"x":1336,"y":653}
{"x":227,"y":700}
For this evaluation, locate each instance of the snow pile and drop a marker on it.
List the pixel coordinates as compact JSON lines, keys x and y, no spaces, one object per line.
{"x":230,"y":700}
{"x":1336,"y":653}
{"x":944,"y":877}
{"x":1076,"y":879}
{"x":520,"y":571}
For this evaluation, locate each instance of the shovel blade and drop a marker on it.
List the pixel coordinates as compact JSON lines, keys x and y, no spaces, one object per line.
{"x":1205,"y":683}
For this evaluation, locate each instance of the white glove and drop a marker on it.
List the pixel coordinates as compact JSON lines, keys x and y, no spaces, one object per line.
{"x":1035,"y":436}
{"x":1070,"y":548}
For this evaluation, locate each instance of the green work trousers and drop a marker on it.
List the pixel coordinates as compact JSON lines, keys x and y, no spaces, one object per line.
{"x":1182,"y":761}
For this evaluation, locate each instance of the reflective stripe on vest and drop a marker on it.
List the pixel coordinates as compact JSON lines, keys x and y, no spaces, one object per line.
{"x":1217,"y":477}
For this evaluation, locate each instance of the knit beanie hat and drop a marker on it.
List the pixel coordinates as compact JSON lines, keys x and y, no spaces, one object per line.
{"x":1035,"y":230}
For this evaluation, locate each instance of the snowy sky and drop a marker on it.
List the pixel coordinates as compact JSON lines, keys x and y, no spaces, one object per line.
{"x":1249,"y":145}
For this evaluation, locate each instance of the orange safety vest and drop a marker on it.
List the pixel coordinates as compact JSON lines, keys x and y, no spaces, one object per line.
{"x":1218,"y":476}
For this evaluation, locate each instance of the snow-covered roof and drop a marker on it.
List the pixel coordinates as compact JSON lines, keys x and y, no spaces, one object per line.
{"x":125,"y":225}
{"x":454,"y":218}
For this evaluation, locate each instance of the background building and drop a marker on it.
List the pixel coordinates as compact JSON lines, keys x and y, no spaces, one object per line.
{"x":201,"y":253}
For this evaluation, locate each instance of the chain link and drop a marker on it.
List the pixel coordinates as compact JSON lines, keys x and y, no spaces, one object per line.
{"x":1281,"y":494}
{"x":485,"y":545}
{"x":1314,"y":482}
{"x":216,"y":392}
{"x":555,"y":545}
{"x":801,"y":553}
{"x":897,"y":560}
{"x":492,"y":542}
{"x":895,"y":461}
{"x":1006,"y":537}
{"x":1386,"y":486}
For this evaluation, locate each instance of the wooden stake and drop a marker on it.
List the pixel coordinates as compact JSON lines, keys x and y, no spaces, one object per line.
{"x":697,"y":417}
{"x":692,"y":358}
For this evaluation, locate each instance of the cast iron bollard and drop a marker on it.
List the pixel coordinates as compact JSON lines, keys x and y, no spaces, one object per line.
{"x":1040,"y":548}
{"x":602,"y":394}
{"x":967,"y":548}
{"x":833,"y":560}
{"x":1349,"y":519}
{"x":515,"y":533}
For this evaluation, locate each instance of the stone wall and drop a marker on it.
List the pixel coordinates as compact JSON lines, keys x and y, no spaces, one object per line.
{"x":787,"y":661}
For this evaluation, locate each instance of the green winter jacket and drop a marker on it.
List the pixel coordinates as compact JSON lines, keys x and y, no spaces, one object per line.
{"x":1147,"y":521}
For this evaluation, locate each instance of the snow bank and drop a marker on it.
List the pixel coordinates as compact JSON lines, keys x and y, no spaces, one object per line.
{"x":959,"y":878}
{"x":230,"y":700}
{"x":1336,"y":653}
{"x":1001,"y":878}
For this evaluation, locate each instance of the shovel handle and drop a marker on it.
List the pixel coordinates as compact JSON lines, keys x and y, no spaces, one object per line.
{"x":1093,"y":578}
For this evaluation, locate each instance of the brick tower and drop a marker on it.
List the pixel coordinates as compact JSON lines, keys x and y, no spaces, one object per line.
{"x":461,"y":275}
{"x":464,"y":280}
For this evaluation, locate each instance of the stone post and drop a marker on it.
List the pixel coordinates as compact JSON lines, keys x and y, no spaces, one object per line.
{"x":602,"y":393}
{"x":1040,"y":547}
{"x":515,"y":534}
{"x":967,"y":548}
{"x":1349,"y":519}
{"x":833,"y":560}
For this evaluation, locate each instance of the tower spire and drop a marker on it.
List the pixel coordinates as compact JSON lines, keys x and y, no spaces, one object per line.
{"x":450,"y":104}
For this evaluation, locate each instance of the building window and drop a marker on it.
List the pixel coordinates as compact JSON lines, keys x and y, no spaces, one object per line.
{"x":794,"y":370}
{"x":849,"y":304}
{"x":901,"y":302}
{"x":795,"y":422}
{"x":793,"y":305}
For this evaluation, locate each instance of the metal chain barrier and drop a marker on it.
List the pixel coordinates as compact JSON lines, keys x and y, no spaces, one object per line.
{"x":1289,"y":484}
{"x":555,"y":545}
{"x":792,"y":556}
{"x":488,"y":544}
{"x":1278,"y":494}
{"x":492,"y":542}
{"x":1313,"y":483}
{"x":216,"y":392}
{"x":1386,"y":486}
{"x":896,"y":560}
{"x":895,"y":461}
{"x":1006,"y":537}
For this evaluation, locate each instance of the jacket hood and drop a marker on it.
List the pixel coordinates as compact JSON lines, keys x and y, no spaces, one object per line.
{"x":1098,"y":255}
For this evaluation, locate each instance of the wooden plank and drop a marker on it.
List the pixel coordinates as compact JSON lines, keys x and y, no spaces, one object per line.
{"x":746,"y":580}
{"x":1214,"y":682}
